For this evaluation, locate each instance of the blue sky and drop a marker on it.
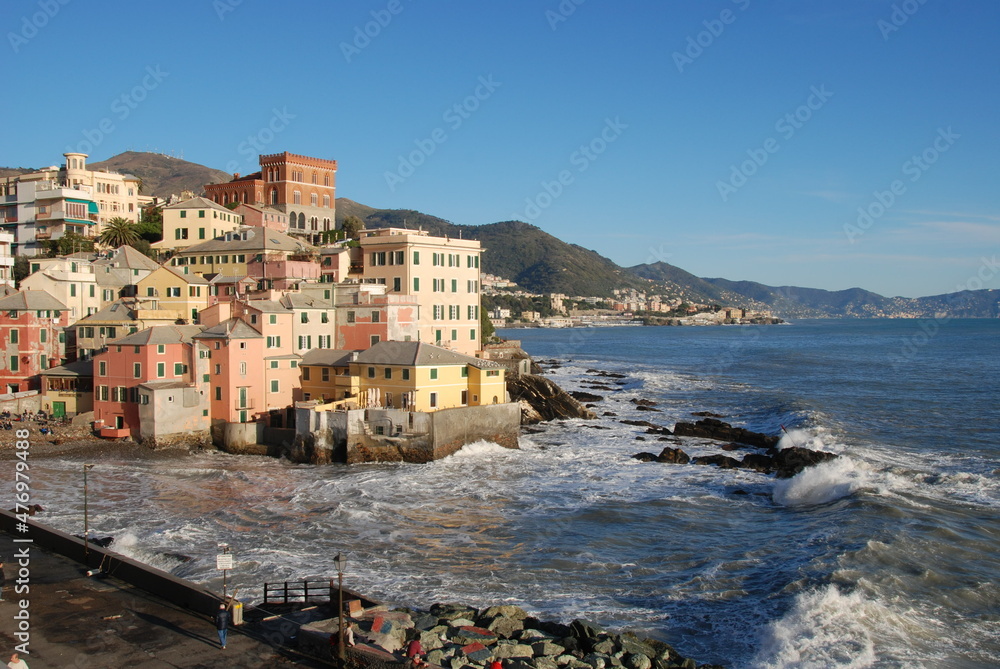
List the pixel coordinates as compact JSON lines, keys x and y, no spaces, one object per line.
{"x":733,"y":138}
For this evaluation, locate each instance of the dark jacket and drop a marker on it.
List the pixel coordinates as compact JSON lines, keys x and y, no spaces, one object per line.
{"x":222,"y":619}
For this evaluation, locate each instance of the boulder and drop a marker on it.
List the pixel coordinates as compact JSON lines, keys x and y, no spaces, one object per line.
{"x":758,"y":462}
{"x":645,"y":457}
{"x":424,"y":621}
{"x":544,"y":662}
{"x":470,"y":634}
{"x":603,"y":646}
{"x":642,"y":402}
{"x":545,"y":398}
{"x":643,"y":407}
{"x":450,"y":611}
{"x":581,"y":396}
{"x":673,"y":456}
{"x":711,"y":428}
{"x":547,"y":648}
{"x":722,"y":461}
{"x":581,"y":629}
{"x":597,"y":660}
{"x":630,"y":643}
{"x":791,"y":461}
{"x":507,"y":610}
{"x":505,"y":651}
{"x":706,"y":414}
{"x":638,"y":661}
{"x":430,"y":640}
{"x":504,"y":626}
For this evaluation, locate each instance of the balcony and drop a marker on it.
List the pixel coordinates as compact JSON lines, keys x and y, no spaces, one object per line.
{"x":247,"y":405}
{"x":115,"y":433}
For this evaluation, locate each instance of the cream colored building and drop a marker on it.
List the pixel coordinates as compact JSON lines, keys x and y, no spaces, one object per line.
{"x":440,"y":272}
{"x":51,"y":202}
{"x":194,"y":221}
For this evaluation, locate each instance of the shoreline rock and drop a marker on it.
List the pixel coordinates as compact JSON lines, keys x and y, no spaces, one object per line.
{"x":542,"y":400}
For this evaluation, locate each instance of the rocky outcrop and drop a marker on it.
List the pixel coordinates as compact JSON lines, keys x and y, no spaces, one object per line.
{"x":454,"y":635}
{"x":541,"y":399}
{"x":712,"y":428}
{"x":784,"y":463}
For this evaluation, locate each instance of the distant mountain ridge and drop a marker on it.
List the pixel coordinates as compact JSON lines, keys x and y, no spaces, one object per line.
{"x":541,"y":263}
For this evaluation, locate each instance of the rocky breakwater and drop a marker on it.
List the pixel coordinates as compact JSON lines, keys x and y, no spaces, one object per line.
{"x":456,"y":636}
{"x":766,"y":459}
{"x":542,"y":400}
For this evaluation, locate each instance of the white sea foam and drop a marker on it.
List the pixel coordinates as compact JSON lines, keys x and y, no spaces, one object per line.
{"x":821,"y":484}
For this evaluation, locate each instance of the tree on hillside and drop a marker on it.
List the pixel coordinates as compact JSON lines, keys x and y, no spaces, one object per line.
{"x":150,"y":225}
{"x":71,"y":242}
{"x":352,"y":225}
{"x":489,"y":332}
{"x":119,"y":232}
{"x":22,"y":268}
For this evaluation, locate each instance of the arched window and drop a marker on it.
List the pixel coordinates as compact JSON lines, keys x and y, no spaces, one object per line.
{"x":296,"y":197}
{"x":302,"y":221}
{"x":244,"y":197}
{"x":326,"y":201}
{"x":326,"y":224}
{"x":313,"y":223}
{"x":314,"y":199}
{"x":315,"y":178}
{"x":274,"y":196}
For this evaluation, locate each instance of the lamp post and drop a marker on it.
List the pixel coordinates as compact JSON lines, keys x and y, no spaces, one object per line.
{"x":341,"y":563}
{"x":86,"y":519}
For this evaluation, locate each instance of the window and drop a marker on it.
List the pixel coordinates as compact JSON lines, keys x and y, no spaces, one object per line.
{"x":454,"y":285}
{"x":14,"y":336}
{"x":72,"y":290}
{"x":434,"y":400}
{"x":294,"y":364}
{"x":15,"y":363}
{"x":454,"y":335}
{"x":375,"y":339}
{"x":174,"y":291}
{"x":180,"y":369}
{"x":184,"y":213}
{"x":161,"y":348}
{"x":388,"y":372}
{"x":102,"y":368}
{"x":273,"y":319}
{"x":274,"y":342}
{"x":304,"y":317}
{"x":371,"y":372}
{"x":324,"y":317}
{"x":305,"y":373}
{"x":375,"y":317}
{"x":416,"y":284}
{"x":325,"y":373}
{"x":465,"y":397}
{"x":274,"y":385}
{"x":434,"y":373}
{"x":102,"y":393}
{"x":472,"y":334}
{"x":201,"y":233}
{"x":201,"y":213}
{"x":218,"y":369}
{"x":274,"y":364}
{"x":136,"y":370}
{"x":416,"y":257}
{"x":243,"y":369}
{"x":161,"y":370}
{"x":465,"y":371}
{"x":397,"y":284}
{"x":350,"y":316}
{"x":218,"y":392}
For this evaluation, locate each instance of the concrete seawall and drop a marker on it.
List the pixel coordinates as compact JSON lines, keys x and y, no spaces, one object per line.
{"x":154,"y":581}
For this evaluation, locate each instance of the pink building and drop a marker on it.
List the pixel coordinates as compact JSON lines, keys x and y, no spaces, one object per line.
{"x":279,"y":272}
{"x":238,"y":384}
{"x":365,"y":318}
{"x":263,"y":217}
{"x":162,"y":353}
{"x":32,"y":338}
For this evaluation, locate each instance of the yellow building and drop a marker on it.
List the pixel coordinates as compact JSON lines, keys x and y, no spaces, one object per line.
{"x":326,"y":376}
{"x":169,"y":290}
{"x":440,"y":272}
{"x":193,"y":221}
{"x":422,"y":377}
{"x":229,"y":253}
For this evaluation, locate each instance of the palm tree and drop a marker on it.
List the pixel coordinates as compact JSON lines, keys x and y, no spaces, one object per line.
{"x":119,"y":231}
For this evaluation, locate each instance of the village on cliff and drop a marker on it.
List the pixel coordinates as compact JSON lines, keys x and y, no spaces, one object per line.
{"x":261,"y":326}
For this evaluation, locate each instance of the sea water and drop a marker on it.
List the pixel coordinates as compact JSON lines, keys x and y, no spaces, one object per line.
{"x":884,"y":557}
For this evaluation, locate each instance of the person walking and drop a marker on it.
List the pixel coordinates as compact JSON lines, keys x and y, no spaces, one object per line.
{"x":222,"y":624}
{"x":16,"y":662}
